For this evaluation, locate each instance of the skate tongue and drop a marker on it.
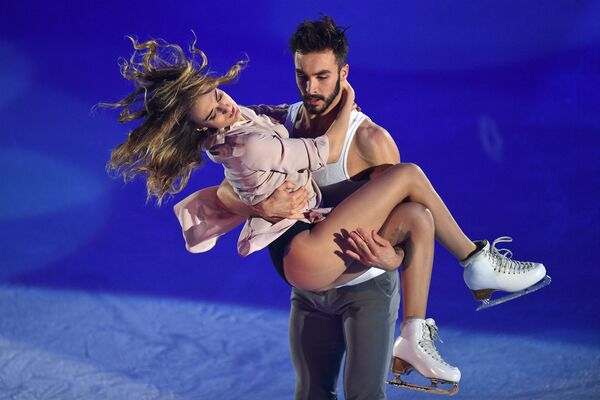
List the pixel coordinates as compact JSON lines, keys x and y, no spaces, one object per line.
{"x":433,"y":330}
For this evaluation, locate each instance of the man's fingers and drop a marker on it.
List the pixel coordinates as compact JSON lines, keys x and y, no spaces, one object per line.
{"x":360,"y":245}
{"x":352,"y":254}
{"x":300,"y":195}
{"x":300,"y":200}
{"x":286,"y":186}
{"x":379,"y":239}
{"x":366,"y":236}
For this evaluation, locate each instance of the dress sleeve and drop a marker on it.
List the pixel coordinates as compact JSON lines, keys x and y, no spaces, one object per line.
{"x":203,"y":221}
{"x":277,"y":113}
{"x":287,"y":155}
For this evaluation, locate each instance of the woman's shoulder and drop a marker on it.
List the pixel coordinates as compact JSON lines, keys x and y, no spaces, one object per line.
{"x":259,"y":124}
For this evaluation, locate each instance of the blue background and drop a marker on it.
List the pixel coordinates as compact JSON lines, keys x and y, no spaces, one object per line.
{"x":497,"y":101}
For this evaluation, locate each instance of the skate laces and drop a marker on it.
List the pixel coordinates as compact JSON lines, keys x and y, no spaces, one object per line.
{"x":502,"y":258}
{"x":430,"y":334}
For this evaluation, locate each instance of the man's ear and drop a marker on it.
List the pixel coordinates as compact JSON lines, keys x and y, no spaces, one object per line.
{"x":344,"y":72}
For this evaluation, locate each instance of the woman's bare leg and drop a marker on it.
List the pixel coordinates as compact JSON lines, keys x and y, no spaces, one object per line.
{"x":412,"y":225}
{"x":315,"y":260}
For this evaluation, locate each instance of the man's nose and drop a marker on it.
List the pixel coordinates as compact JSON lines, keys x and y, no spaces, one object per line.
{"x":312,"y":86}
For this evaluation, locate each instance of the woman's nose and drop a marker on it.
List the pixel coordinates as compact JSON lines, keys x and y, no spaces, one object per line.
{"x":226,"y":108}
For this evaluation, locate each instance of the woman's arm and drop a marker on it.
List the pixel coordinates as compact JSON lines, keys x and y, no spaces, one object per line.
{"x":277,"y":114}
{"x":286,"y":155}
{"x":338,"y":129}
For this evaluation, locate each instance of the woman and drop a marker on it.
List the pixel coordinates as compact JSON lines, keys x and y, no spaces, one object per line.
{"x":184,"y":111}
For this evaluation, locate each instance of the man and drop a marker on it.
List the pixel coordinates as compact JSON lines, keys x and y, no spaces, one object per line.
{"x":358,"y":315}
{"x":358,"y":318}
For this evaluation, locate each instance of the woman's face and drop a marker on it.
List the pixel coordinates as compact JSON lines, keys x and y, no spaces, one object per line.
{"x":215,"y":110}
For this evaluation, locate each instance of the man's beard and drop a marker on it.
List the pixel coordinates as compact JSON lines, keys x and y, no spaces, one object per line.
{"x":312,"y":109}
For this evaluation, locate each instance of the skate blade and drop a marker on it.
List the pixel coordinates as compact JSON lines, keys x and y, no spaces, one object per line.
{"x":491,"y":303}
{"x":401,"y":367}
{"x":433,"y":389}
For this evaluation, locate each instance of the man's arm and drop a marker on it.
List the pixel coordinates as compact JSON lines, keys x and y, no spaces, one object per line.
{"x":375,"y":151}
{"x":285,"y":202}
{"x":228,"y":200}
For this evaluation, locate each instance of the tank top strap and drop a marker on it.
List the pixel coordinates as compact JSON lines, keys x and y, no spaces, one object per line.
{"x":338,"y":171}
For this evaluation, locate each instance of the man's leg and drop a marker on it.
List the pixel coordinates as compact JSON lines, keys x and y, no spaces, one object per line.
{"x":370,"y":314}
{"x":316,"y":345}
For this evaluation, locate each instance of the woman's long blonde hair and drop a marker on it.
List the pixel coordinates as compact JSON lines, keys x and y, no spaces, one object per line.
{"x":165,"y":147}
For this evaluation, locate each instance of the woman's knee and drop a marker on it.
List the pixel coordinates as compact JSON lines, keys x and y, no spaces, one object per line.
{"x":409,"y":172}
{"x":419,"y":218}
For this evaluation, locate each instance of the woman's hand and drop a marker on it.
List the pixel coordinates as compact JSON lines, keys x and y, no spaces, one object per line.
{"x":348,"y":95}
{"x":373,"y":250}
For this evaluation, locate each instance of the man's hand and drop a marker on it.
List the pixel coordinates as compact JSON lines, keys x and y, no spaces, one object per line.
{"x":373,"y":250}
{"x":285,"y":202}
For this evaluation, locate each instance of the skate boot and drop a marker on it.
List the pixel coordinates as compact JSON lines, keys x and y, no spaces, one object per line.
{"x":492,"y":269}
{"x":414,"y":350}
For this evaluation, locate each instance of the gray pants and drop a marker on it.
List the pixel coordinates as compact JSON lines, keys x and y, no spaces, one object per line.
{"x":357,"y":319}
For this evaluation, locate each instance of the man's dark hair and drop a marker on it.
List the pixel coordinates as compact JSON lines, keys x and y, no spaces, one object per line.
{"x":320,"y":35}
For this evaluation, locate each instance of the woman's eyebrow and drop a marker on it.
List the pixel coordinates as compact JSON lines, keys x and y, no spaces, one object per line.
{"x":213,"y":110}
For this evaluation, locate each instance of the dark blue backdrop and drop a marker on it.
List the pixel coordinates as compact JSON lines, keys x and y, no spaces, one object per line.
{"x":497,"y":101}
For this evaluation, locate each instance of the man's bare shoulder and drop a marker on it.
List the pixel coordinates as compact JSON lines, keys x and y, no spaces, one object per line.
{"x":375,"y":144}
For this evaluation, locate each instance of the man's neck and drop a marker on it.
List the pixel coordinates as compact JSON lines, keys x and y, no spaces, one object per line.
{"x":313,"y":125}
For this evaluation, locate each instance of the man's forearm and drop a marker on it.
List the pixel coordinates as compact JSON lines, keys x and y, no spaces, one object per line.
{"x":230,"y":201}
{"x":285,"y":202}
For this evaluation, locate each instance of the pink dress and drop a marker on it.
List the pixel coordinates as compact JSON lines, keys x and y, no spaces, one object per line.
{"x":258,"y":156}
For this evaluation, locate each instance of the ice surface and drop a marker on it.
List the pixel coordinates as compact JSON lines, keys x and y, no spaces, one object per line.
{"x":77,"y":345}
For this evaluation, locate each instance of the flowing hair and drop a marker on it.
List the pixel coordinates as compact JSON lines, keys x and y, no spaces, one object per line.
{"x":165,"y":147}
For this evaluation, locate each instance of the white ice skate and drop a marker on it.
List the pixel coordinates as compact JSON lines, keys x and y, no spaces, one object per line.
{"x":492,"y":269}
{"x":414,"y":350}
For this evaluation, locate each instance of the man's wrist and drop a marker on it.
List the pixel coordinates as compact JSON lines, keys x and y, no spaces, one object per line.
{"x":257,"y":211}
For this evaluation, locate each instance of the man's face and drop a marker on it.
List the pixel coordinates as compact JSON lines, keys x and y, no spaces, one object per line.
{"x":318,"y":77}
